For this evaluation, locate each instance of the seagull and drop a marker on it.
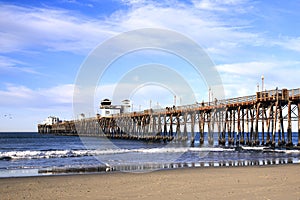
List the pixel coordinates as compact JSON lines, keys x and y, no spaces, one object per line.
{"x":108,"y":167}
{"x":8,"y":116}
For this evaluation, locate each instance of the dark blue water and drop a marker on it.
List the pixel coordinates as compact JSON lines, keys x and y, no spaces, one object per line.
{"x":27,"y":154}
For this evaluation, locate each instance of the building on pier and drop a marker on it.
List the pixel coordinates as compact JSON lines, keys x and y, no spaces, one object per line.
{"x":108,"y":110}
{"x":51,"y":120}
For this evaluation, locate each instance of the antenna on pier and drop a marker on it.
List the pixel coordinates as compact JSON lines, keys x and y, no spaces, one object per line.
{"x":262,"y":82}
{"x":174,"y":100}
{"x":209,"y":91}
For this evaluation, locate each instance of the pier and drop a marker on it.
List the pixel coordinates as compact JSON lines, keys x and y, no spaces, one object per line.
{"x":265,"y":118}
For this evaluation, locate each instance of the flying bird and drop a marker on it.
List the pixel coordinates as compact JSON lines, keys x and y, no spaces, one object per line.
{"x":9,"y":116}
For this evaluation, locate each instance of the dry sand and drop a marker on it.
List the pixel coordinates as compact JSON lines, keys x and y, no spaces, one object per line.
{"x":257,"y":182}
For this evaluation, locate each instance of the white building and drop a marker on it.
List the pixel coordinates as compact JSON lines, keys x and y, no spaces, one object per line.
{"x":125,"y":107}
{"x":106,"y":109}
{"x":51,"y":120}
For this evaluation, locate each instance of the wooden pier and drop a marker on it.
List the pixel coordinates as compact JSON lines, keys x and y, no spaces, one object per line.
{"x":262,"y":119}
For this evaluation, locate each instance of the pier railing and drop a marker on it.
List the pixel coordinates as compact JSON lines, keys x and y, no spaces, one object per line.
{"x":268,"y":95}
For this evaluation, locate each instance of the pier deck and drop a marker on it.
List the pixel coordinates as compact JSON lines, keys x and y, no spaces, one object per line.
{"x":235,"y":121}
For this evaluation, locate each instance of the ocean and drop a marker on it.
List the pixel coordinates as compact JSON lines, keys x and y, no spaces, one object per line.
{"x":33,"y":154}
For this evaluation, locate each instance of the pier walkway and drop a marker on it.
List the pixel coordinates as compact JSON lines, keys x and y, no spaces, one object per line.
{"x":262,"y":119}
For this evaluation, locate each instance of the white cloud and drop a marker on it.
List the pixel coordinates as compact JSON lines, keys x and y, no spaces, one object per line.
{"x":59,"y":94}
{"x":241,"y":79}
{"x":6,"y":62}
{"x":221,"y":5}
{"x":56,"y":30}
{"x":214,"y":24}
{"x":256,"y":67}
{"x":60,"y":97}
{"x":219,"y":37}
{"x":79,"y":3}
{"x":249,"y":68}
{"x":17,"y":92}
{"x":11,"y":65}
{"x":133,"y":2}
{"x":33,"y":28}
{"x":289,"y":43}
{"x":61,"y":30}
{"x":22,"y":96}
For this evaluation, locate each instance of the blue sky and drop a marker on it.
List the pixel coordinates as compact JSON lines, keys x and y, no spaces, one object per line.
{"x":44,"y":43}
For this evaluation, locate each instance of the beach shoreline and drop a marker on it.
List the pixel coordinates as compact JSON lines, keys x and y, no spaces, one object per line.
{"x":247,"y":182}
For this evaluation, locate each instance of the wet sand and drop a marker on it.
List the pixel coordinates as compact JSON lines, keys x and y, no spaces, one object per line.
{"x":253,"y":182}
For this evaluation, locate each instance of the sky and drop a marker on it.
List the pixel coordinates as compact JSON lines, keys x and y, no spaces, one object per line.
{"x":43,"y":45}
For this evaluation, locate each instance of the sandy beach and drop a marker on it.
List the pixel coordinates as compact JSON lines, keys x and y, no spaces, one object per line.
{"x":255,"y":182}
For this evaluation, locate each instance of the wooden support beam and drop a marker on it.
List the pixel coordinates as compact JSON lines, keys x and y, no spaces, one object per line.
{"x":239,"y":126}
{"x":212,"y":126}
{"x":201,"y":127}
{"x":159,"y":125}
{"x":192,"y":115}
{"x":233,"y":127}
{"x":256,"y":138}
{"x":143,"y":127}
{"x":289,"y":127}
{"x":223,"y":140}
{"x":185,"y":127}
{"x":242,"y":140}
{"x":139,"y":127}
{"x":263,"y":115}
{"x":230,"y":128}
{"x":154,"y":125}
{"x":274,"y":124}
{"x":251,"y":126}
{"x":298,"y":124}
{"x":165,"y":126}
{"x":247,"y":126}
{"x":171,"y":126}
{"x":281,"y":126}
{"x":269,"y":121}
{"x":209,"y":127}
{"x":178,"y":132}
{"x":219,"y":113}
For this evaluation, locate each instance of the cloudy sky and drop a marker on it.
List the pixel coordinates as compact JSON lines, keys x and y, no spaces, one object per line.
{"x":44,"y":43}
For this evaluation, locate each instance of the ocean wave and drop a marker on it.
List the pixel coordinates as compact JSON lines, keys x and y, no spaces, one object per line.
{"x":46,"y":154}
{"x":31,"y":154}
{"x":286,"y":151}
{"x":35,"y":154}
{"x":254,"y":148}
{"x":268,"y":149}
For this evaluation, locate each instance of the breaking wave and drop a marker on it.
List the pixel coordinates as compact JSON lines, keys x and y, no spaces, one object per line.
{"x":46,"y":154}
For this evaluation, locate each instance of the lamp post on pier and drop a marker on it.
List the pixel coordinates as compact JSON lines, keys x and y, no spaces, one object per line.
{"x":262,"y":82}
